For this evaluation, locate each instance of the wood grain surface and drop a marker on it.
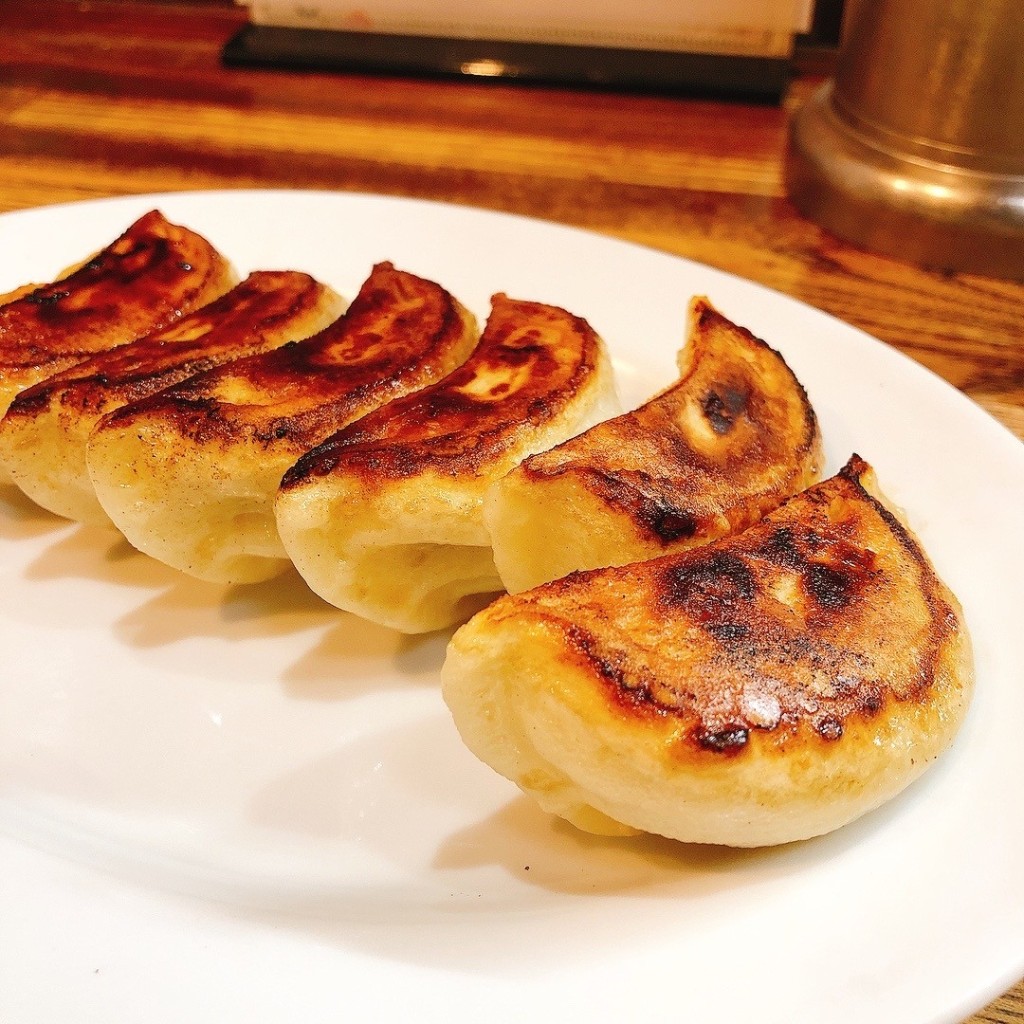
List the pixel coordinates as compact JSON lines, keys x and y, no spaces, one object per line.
{"x":105,"y":98}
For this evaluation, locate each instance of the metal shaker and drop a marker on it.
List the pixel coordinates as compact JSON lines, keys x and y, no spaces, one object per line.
{"x":916,"y":147}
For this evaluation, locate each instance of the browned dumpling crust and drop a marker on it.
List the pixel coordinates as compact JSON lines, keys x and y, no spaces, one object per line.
{"x":189,"y":475}
{"x":384,"y":518}
{"x":769,"y":687}
{"x":734,"y":436}
{"x":146,"y":279}
{"x":44,"y":435}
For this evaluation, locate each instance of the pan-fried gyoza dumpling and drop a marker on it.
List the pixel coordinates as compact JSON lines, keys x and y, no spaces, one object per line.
{"x":43,"y":437}
{"x":771,"y":686}
{"x":708,"y":456}
{"x":189,"y":475}
{"x":142,"y":281}
{"x":384,"y":519}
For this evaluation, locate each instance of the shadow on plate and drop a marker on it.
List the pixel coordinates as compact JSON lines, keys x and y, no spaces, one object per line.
{"x":190,"y":608}
{"x":356,"y":657}
{"x":22,"y":518}
{"x":96,"y":553}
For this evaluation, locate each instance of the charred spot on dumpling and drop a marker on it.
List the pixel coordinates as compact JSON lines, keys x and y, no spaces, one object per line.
{"x":47,"y":297}
{"x":709,"y":582}
{"x":30,"y":403}
{"x":829,"y":728}
{"x":627,"y":687}
{"x":729,"y":740}
{"x":832,"y":588}
{"x":722,"y":406}
{"x":729,"y":631}
{"x":783,"y":548}
{"x":670,"y":523}
{"x":650,"y":509}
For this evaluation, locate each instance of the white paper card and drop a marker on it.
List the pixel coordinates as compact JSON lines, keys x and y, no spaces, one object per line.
{"x":741,"y":27}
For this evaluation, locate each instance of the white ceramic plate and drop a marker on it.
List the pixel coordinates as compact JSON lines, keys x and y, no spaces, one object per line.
{"x":238,"y":804}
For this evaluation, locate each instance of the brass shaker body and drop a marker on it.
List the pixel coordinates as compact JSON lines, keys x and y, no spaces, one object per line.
{"x":916,"y":147}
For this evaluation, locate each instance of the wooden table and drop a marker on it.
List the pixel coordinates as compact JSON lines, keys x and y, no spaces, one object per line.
{"x":100,"y":99}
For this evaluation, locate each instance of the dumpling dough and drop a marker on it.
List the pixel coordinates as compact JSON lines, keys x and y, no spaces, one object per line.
{"x":189,"y":475}
{"x":144,"y":280}
{"x":708,"y":456}
{"x":384,"y":519}
{"x":768,"y":687}
{"x":44,"y":435}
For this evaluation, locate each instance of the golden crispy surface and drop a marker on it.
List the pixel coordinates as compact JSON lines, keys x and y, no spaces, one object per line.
{"x":385,"y":518}
{"x":769,"y":686}
{"x":44,"y":434}
{"x":400,"y":333}
{"x":189,"y":474}
{"x":532,"y":361}
{"x":708,"y":456}
{"x":265,"y":310}
{"x":795,"y":627}
{"x":144,"y":280}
